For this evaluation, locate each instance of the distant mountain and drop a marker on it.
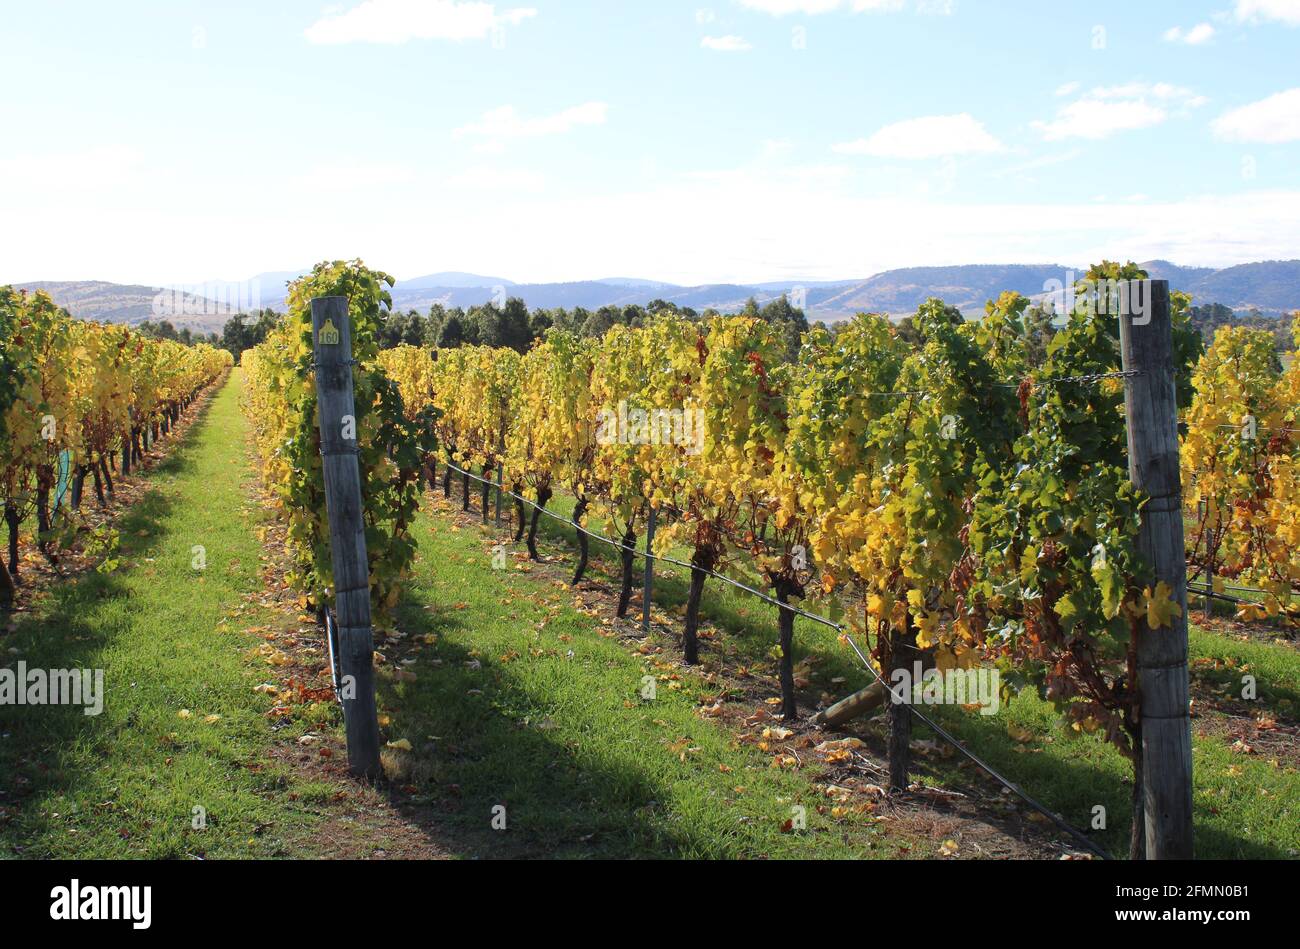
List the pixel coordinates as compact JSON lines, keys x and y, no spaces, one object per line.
{"x":785,"y":286}
{"x":274,"y":283}
{"x":1179,"y":277}
{"x":967,"y":287}
{"x":117,"y":303}
{"x":453,"y":279}
{"x":1270,"y":286}
{"x":633,"y":282}
{"x":590,"y":294}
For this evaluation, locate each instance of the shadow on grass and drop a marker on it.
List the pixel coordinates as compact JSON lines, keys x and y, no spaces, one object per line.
{"x":1093,"y":776}
{"x":485,"y":745}
{"x":68,"y":630}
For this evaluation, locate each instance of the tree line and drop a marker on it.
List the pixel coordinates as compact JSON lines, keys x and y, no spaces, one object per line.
{"x":513,"y":326}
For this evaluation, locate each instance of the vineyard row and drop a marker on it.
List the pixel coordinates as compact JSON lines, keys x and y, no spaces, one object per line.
{"x":966,"y":497}
{"x":80,"y":400}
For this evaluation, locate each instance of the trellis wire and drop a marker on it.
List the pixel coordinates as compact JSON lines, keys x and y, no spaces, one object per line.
{"x":1074,"y":833}
{"x":1037,"y":384}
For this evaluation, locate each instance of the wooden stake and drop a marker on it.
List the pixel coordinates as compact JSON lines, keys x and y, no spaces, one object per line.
{"x":501,"y":476}
{"x":855,"y":706}
{"x":1151,"y":407}
{"x":332,"y":333}
{"x":649,"y":571}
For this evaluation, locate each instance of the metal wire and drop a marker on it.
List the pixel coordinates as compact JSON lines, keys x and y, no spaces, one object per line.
{"x":1284,"y":431}
{"x":1037,"y":384}
{"x":1074,"y":833}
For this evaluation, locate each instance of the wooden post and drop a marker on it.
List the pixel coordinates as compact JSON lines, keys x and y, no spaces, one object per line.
{"x":332,"y":332}
{"x":1151,"y":407}
{"x":501,"y":477}
{"x":648,"y":584}
{"x":1209,"y":587}
{"x":501,"y":471}
{"x":857,"y":704}
{"x":898,"y":713}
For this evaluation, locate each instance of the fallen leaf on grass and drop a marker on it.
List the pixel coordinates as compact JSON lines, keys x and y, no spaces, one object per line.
{"x":1019,"y":733}
{"x":843,"y":745}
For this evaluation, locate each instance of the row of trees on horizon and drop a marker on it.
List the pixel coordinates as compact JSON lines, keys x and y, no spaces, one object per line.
{"x":514,"y":326}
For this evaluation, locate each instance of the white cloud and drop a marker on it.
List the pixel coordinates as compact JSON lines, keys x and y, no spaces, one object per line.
{"x":1283,"y":11}
{"x":1199,"y":34}
{"x":505,"y":124}
{"x":1069,"y":89}
{"x":935,"y":136}
{"x":784,"y":7}
{"x":256,"y":223}
{"x":355,"y":176}
{"x":1043,"y":161}
{"x":496,"y":179}
{"x":726,"y":44}
{"x":1270,"y":121}
{"x":1105,"y":110}
{"x":398,"y":21}
{"x":816,"y":7}
{"x":100,"y":167}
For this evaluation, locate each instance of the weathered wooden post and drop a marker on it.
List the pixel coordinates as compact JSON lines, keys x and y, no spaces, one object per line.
{"x":1209,"y":570}
{"x":501,"y":474}
{"x":1151,"y":407}
{"x":501,"y":486}
{"x":332,"y":332}
{"x":648,"y":584}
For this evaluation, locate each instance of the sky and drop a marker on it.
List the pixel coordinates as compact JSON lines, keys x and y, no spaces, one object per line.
{"x":690,"y":142}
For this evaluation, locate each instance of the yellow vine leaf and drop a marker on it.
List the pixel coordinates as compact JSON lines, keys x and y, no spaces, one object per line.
{"x":1161,"y":610}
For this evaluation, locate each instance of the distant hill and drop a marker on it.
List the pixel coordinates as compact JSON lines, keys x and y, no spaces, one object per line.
{"x":1272,"y":287}
{"x":968,"y":288}
{"x":1179,"y":278}
{"x":633,"y":282}
{"x":118,"y":303}
{"x":454,"y":279}
{"x":274,"y":284}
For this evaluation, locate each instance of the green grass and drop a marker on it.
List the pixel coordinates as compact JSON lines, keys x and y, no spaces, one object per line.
{"x":125,"y":783}
{"x":1245,"y":806}
{"x":524,"y":703}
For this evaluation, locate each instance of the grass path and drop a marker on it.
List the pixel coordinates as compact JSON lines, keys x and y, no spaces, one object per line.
{"x":515,"y":692}
{"x":528,"y":701}
{"x":127,"y":783}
